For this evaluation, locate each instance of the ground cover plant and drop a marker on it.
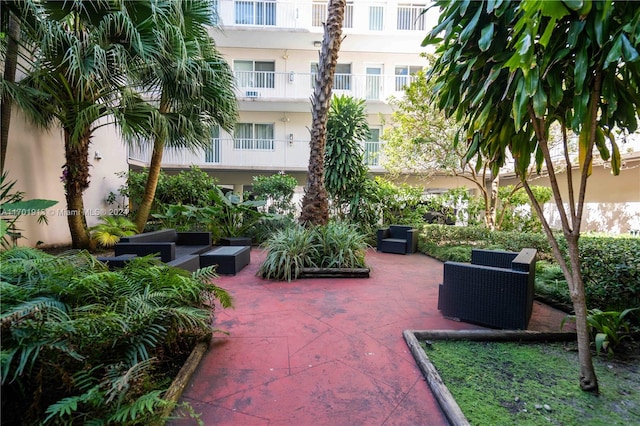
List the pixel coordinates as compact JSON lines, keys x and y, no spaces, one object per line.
{"x":81,"y":344}
{"x":534,"y":384}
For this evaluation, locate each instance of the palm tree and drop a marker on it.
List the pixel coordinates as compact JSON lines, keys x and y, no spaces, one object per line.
{"x":81,"y":62}
{"x":315,"y":205}
{"x":189,"y":81}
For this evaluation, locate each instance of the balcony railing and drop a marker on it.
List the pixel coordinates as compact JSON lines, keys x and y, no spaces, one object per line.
{"x":232,"y":154}
{"x":292,"y":85}
{"x":310,"y":15}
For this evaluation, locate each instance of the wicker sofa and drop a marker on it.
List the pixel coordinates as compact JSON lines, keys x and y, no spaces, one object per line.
{"x":398,"y":239}
{"x":179,"y":249}
{"x":496,"y":289}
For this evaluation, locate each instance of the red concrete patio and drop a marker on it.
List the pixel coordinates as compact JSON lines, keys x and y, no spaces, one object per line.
{"x":327,"y":351}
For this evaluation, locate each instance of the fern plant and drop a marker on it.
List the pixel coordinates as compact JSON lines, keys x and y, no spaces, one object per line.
{"x":102,"y":334}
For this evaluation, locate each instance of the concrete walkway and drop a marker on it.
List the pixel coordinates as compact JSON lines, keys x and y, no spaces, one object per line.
{"x":326,"y":351}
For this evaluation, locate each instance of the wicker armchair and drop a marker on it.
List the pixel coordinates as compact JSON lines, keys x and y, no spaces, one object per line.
{"x":398,"y":239}
{"x":495,"y":290}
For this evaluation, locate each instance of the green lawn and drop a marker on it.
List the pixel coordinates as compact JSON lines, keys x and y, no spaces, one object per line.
{"x":534,"y":384}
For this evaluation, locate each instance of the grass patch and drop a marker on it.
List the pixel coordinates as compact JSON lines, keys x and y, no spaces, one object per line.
{"x":535,"y":384}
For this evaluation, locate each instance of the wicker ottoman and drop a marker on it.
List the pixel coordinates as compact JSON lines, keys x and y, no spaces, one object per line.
{"x":230,"y":259}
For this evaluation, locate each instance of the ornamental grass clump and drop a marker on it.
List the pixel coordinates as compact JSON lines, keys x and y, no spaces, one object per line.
{"x":335,"y":245}
{"x":85,"y":345}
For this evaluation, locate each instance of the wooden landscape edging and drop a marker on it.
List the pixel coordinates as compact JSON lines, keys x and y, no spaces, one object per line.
{"x":181,"y":381}
{"x":334,"y":273}
{"x":447,"y":402}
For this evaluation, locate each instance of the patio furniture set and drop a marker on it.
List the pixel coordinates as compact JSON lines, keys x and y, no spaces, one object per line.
{"x":186,"y":250}
{"x":496,"y":289}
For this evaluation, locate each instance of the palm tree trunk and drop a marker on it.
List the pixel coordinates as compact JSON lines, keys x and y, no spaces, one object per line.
{"x":76,"y":180}
{"x":315,"y":203}
{"x":10,"y":64}
{"x":155,"y":166}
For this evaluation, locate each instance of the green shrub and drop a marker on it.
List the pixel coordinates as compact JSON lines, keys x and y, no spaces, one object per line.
{"x":340,"y":245}
{"x":80,"y":344}
{"x":610,"y":265}
{"x":481,"y":237}
{"x":336,"y":245}
{"x":288,"y":251}
{"x":277,"y":190}
{"x":187,"y":187}
{"x":611,"y":271}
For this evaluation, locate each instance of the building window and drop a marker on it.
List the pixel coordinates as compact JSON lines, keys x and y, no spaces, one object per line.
{"x":251,"y":136}
{"x":341,"y":78}
{"x":319,"y":14}
{"x":411,"y":17}
{"x":404,"y":75}
{"x":212,"y":152}
{"x":255,"y":73}
{"x":372,"y":148}
{"x":255,"y":12}
{"x":348,"y":16}
{"x":376,"y":18}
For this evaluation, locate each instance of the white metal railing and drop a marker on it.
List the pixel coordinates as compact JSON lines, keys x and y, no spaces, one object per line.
{"x":273,"y":154}
{"x":411,"y":18}
{"x":385,"y":16}
{"x":319,"y":15}
{"x":293,"y":85}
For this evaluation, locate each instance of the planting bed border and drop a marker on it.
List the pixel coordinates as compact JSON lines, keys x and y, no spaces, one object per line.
{"x":446,"y":401}
{"x":334,"y":273}
{"x":183,"y":378}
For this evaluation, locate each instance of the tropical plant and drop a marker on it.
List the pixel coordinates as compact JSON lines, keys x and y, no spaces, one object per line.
{"x":345,"y":170}
{"x":80,"y":343}
{"x":13,"y":206}
{"x":288,"y":251}
{"x":235,"y":215}
{"x":509,"y":70}
{"x":189,"y":81}
{"x":340,"y":245}
{"x":108,"y":233}
{"x":315,"y":203}
{"x":608,"y":329}
{"x":335,"y":245}
{"x":75,"y":76}
{"x":277,"y":190}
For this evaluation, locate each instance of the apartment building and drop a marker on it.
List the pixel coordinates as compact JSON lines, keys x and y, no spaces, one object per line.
{"x":273,"y":48}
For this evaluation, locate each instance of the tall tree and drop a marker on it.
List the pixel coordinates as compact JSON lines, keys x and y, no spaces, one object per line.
{"x":508,"y":70}
{"x":188,"y":80}
{"x":315,"y":203}
{"x":79,"y":64}
{"x":420,"y":140}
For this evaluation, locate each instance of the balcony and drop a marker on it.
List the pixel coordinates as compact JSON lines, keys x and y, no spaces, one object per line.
{"x":244,"y":154}
{"x":294,"y":86}
{"x":306,"y":15}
